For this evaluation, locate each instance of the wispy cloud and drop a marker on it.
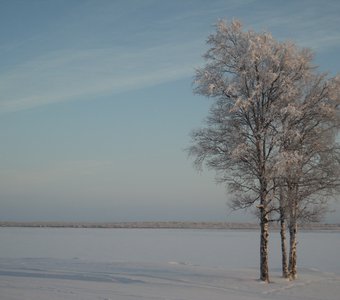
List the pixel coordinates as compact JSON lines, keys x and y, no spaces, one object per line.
{"x":310,"y":23}
{"x":128,"y":51}
{"x":73,"y":74}
{"x":109,"y":48}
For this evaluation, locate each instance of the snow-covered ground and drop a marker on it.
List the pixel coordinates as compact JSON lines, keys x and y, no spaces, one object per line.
{"x":159,"y":264}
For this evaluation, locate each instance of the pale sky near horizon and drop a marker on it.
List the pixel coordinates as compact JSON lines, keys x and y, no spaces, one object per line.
{"x":96,"y":103}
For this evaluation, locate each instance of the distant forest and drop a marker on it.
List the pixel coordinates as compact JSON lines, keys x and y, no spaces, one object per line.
{"x":162,"y":225}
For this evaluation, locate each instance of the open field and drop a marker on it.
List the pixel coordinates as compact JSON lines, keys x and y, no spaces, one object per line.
{"x":129,"y":264}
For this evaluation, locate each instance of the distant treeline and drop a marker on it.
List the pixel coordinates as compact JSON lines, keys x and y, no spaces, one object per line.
{"x":162,"y":225}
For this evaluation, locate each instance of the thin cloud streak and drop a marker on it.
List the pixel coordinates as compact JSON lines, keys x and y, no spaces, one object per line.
{"x":69,"y":75}
{"x":304,"y":24}
{"x":81,"y":73}
{"x":164,"y":49}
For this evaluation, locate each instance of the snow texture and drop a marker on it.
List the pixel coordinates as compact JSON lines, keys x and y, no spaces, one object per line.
{"x":158,"y":264}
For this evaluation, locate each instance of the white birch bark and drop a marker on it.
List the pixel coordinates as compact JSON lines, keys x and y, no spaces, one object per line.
{"x":293,"y":251}
{"x":268,"y":108}
{"x":284,"y":257}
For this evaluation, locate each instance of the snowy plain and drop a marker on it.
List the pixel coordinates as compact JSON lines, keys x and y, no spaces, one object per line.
{"x":128,"y":264}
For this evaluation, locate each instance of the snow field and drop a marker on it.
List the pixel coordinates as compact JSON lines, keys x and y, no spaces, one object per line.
{"x":158,"y":264}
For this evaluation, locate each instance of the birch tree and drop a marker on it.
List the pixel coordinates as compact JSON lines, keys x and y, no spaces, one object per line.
{"x":250,"y":77}
{"x":308,"y":160}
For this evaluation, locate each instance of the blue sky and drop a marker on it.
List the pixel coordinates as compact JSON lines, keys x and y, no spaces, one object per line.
{"x":96,"y":103}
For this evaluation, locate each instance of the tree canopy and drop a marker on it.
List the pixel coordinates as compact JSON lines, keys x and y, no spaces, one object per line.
{"x":273,"y":123}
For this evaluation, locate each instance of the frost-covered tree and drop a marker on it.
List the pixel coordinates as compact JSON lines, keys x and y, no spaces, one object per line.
{"x":251,"y":77}
{"x":308,"y":161}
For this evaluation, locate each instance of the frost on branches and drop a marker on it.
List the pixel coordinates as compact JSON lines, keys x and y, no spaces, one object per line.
{"x":270,"y":133}
{"x":307,"y":168}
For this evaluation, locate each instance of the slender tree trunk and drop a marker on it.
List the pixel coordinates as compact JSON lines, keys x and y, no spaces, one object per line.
{"x":264,"y":224}
{"x":285,"y":273}
{"x":292,"y":250}
{"x":293,"y":203}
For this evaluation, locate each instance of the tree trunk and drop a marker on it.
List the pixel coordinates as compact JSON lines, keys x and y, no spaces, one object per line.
{"x":292,"y":250}
{"x":285,"y":273}
{"x":264,"y":224}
